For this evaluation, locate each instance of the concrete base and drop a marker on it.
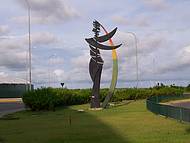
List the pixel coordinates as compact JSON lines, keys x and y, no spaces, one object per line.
{"x":95,"y":109}
{"x":80,"y":110}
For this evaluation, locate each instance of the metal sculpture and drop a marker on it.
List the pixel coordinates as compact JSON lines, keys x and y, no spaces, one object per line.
{"x":96,"y":63}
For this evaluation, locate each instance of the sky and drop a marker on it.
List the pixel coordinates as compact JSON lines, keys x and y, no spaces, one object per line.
{"x":60,"y":53}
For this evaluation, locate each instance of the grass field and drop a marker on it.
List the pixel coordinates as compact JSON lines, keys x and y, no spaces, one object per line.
{"x":130,"y":123}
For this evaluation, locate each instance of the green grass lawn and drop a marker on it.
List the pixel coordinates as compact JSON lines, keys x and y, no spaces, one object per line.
{"x":130,"y":123}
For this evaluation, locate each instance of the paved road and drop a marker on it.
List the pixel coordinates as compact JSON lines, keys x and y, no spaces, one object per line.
{"x":182,"y":104}
{"x":10,"y":107}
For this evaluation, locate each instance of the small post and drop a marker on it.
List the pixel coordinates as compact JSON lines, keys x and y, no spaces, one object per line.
{"x":180,"y":112}
{"x":70,"y":120}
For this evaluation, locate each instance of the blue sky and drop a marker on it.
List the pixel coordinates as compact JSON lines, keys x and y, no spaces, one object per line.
{"x":60,"y":54}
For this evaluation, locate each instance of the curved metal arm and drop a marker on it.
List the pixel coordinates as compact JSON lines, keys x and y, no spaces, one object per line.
{"x":106,"y":37}
{"x":93,"y":43}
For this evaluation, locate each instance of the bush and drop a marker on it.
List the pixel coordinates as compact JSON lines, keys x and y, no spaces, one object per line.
{"x":49,"y":98}
{"x":41,"y":99}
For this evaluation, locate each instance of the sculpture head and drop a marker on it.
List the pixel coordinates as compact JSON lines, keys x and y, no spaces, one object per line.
{"x":97,"y":40}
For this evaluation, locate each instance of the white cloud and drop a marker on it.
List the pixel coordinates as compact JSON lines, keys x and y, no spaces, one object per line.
{"x":13,"y":61}
{"x":180,"y":63}
{"x":146,"y":44}
{"x":59,"y":72}
{"x":81,"y":61}
{"x":57,"y":61}
{"x":19,"y":43}
{"x":60,"y":75}
{"x":4,"y":29}
{"x":19,"y":19}
{"x":48,"y":11}
{"x":156,"y":4}
{"x":14,"y":49}
{"x":142,"y":21}
{"x":139,"y":20}
{"x":13,"y":54}
{"x":44,"y":38}
{"x":3,"y":74}
{"x":11,"y":44}
{"x":151,"y":43}
{"x":121,"y":20}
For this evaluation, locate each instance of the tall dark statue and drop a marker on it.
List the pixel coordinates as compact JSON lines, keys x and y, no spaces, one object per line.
{"x":96,"y":61}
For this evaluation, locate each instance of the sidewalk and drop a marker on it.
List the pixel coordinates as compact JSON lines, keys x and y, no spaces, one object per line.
{"x":10,"y":105}
{"x":8,"y":100}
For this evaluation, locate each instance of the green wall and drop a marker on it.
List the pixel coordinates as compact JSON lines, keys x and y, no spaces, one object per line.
{"x":13,"y":90}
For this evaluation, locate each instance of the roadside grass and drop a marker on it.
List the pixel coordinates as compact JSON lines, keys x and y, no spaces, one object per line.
{"x":2,"y":140}
{"x":130,"y":123}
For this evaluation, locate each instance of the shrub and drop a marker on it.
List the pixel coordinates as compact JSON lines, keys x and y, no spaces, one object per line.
{"x":41,"y":99}
{"x":49,"y":98}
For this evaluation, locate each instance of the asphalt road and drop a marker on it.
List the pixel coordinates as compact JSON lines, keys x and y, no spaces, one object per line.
{"x":10,"y":107}
{"x":182,"y":104}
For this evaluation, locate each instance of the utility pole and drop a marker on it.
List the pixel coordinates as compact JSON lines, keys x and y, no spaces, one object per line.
{"x":136,"y":53}
{"x":49,"y":68}
{"x":29,"y":45}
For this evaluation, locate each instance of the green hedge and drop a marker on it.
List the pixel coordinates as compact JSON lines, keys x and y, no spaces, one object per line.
{"x":49,"y":98}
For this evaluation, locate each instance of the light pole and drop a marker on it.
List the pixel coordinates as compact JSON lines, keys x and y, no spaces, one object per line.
{"x":49,"y":74}
{"x":136,"y":53}
{"x":29,"y":45}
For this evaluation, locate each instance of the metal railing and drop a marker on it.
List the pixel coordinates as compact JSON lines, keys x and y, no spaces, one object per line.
{"x":178,"y":113}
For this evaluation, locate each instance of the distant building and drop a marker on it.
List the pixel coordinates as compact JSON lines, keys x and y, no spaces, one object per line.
{"x":13,"y":88}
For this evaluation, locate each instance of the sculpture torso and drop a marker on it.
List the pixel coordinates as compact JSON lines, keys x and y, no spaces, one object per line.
{"x":95,"y":55}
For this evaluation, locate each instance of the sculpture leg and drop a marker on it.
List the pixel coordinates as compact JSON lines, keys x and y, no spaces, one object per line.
{"x":95,"y":72}
{"x":95,"y":101}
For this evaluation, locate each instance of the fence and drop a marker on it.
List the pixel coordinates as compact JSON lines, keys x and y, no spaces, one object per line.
{"x":13,"y":90}
{"x":179,"y":113}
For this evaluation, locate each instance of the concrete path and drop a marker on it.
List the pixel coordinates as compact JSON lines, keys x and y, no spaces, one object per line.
{"x":179,"y":103}
{"x":8,"y":105}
